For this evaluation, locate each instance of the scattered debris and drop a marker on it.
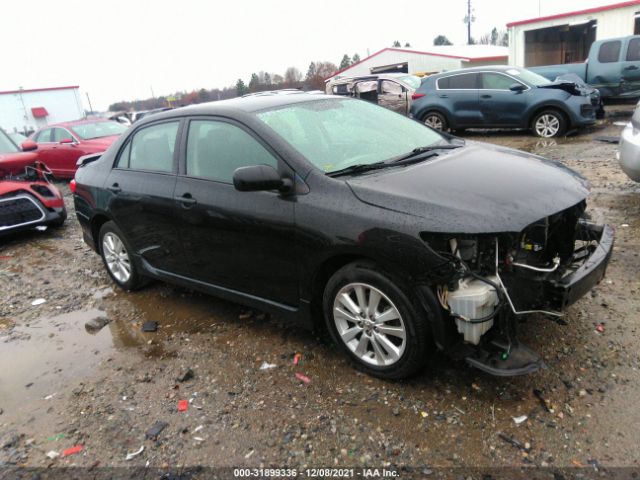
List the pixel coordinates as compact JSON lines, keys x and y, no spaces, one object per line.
{"x":134,"y":454}
{"x":543,"y":401}
{"x":600,"y":328}
{"x":296,"y":358}
{"x":38,"y":301}
{"x":186,"y":376}
{"x":198,"y":428}
{"x":96,"y":324}
{"x":424,"y":414}
{"x":72,"y":451}
{"x":150,"y":326}
{"x":183,"y":405}
{"x":267,"y":366}
{"x":620,"y":124}
{"x":520,"y":419}
{"x":52,"y":454}
{"x":198,"y":439}
{"x":249,"y":454}
{"x":625,"y":225}
{"x":55,"y":438}
{"x":607,"y":139}
{"x":49,"y":397}
{"x":155,"y":430}
{"x":303,"y":378}
{"x":512,"y":441}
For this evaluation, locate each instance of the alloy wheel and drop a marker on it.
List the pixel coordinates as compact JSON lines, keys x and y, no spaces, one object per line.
{"x":547,"y":125}
{"x":116,"y":257}
{"x":369,"y":324}
{"x":434,"y":122}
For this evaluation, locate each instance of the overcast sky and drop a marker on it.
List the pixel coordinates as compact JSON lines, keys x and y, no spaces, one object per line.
{"x":121,"y":49}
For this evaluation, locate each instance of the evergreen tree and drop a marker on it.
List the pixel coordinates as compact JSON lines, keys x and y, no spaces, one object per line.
{"x":345,"y":63}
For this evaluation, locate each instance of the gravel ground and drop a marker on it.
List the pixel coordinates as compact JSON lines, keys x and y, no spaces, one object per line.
{"x":63,"y":386}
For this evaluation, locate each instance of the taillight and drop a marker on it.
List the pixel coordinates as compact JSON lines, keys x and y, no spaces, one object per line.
{"x":72,"y":186}
{"x":417,"y":95}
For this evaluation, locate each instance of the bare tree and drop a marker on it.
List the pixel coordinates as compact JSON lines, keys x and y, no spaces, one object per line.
{"x":292,"y":76}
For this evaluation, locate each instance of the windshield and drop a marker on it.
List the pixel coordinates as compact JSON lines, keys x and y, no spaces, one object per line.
{"x":87,"y":131}
{"x":411,"y":80}
{"x":6,"y":145}
{"x":528,"y":76}
{"x":336,"y":133}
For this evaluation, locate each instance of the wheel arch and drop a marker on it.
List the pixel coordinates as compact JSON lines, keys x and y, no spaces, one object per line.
{"x":549,"y":106}
{"x":95,"y":225}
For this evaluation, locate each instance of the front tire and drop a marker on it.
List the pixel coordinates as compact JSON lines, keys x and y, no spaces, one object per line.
{"x":116,"y":255}
{"x":380,"y":327}
{"x":549,"y":124}
{"x":436,"y":120}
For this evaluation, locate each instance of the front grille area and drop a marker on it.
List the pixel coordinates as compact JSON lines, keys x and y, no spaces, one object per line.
{"x":586,"y":110}
{"x":17,"y":211}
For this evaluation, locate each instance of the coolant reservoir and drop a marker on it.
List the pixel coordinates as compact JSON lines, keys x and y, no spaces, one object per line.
{"x":472,"y":300}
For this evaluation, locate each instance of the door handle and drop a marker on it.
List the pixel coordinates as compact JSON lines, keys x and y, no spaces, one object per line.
{"x":186,"y":199}
{"x":115,"y":188}
{"x":631,"y":67}
{"x":485,"y":96}
{"x":442,"y":95}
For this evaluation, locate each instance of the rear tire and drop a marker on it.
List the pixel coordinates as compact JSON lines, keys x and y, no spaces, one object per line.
{"x":373,"y":318}
{"x":116,"y":256}
{"x":549,"y":123}
{"x":436,"y":120}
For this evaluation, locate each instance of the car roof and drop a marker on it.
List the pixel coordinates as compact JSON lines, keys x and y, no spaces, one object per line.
{"x":248,"y":104}
{"x":76,"y":122}
{"x":487,"y":68}
{"x":372,"y":76}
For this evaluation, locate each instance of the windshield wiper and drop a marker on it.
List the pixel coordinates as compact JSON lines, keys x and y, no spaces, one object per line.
{"x":360,"y":167}
{"x":417,"y":153}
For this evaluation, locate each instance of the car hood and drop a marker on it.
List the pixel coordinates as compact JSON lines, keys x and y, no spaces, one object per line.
{"x":478,"y":188}
{"x":15,"y":163}
{"x":569,"y":86}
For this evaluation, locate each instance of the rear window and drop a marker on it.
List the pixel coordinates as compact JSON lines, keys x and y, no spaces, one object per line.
{"x":464,"y":81}
{"x":609,"y":51}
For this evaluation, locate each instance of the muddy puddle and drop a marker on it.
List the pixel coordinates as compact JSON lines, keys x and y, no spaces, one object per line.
{"x":48,"y":356}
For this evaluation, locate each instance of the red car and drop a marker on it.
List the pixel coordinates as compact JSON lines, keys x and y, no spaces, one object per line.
{"x":60,"y":145}
{"x":27,"y":199}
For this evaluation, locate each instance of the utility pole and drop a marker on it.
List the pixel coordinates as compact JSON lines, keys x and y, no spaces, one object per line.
{"x":468,"y":19}
{"x":89,"y":100}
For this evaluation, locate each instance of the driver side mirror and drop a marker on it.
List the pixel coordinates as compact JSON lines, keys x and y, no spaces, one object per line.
{"x":29,"y":145}
{"x":258,"y":178}
{"x":66,"y":140}
{"x":517,"y":87}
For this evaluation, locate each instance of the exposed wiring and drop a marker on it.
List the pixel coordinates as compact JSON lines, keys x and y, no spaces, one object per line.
{"x":506,"y":294}
{"x":556,"y":264}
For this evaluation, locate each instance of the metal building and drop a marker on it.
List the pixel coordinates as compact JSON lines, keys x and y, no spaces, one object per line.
{"x":436,"y":59}
{"x":27,"y":110}
{"x":567,"y":37}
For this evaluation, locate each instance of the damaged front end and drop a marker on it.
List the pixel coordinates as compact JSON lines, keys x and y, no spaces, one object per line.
{"x":501,"y":277}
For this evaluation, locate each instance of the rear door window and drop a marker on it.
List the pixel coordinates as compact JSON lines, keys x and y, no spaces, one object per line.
{"x":609,"y":51}
{"x":388,"y":86}
{"x":44,"y":136}
{"x":151,"y":148}
{"x":464,"y":81}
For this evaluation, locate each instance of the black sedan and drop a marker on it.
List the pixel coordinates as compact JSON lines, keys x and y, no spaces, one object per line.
{"x":504,"y":97}
{"x":337,"y":212}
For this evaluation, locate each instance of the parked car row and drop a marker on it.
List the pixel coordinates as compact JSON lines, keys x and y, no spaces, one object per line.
{"x":27,"y":198}
{"x":481,"y":97}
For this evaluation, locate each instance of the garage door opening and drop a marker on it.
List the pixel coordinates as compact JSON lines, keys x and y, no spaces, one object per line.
{"x":562,"y":44}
